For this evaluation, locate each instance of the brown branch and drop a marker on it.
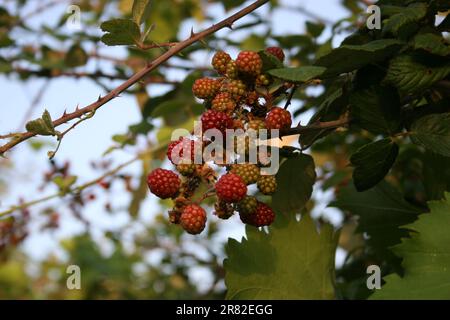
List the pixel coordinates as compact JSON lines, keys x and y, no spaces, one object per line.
{"x":228,"y":22}
{"x":315,"y":126}
{"x":147,"y":46}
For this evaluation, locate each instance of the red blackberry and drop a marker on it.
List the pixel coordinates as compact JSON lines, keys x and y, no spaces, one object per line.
{"x":175,"y":151}
{"x":278,"y":118}
{"x":231,"y":188}
{"x":220,"y":61}
{"x":263,"y":216}
{"x":205,"y":88}
{"x":223,"y":102}
{"x":249,"y":63}
{"x":193,"y":219}
{"x":277,"y":52}
{"x":163,"y":183}
{"x":213,"y":119}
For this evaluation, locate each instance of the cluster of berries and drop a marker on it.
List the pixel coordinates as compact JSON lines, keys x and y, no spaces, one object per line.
{"x":238,"y":99}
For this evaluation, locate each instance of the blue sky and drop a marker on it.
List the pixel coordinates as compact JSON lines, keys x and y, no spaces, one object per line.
{"x":89,"y":140}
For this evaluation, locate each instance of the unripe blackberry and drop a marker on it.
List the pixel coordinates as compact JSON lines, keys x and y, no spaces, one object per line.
{"x":231,"y":70}
{"x":163,"y":183}
{"x":205,"y":88}
{"x":256,"y":124}
{"x":230,"y":188}
{"x":267,"y":184}
{"x":212,"y":119}
{"x":220,"y":61}
{"x":278,"y":118}
{"x":247,"y":171}
{"x":277,"y":52}
{"x":247,"y":205}
{"x":249,"y":63}
{"x":186,"y":169}
{"x":223,"y":210}
{"x":263,"y":80}
{"x":236,"y":88}
{"x":223,"y":102}
{"x":193,"y":219}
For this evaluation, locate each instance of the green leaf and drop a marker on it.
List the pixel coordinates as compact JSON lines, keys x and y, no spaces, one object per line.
{"x":409,"y":75}
{"x":347,"y":58}
{"x":293,"y":261}
{"x":64,"y":183}
{"x":120,"y":32}
{"x":426,"y":258}
{"x":314,"y":29}
{"x":436,"y":175}
{"x":372,"y":162}
{"x":140,"y":11}
{"x":406,"y":17}
{"x":76,"y":56}
{"x":42,"y":126}
{"x":381,"y":211}
{"x":376,"y":109}
{"x":433,"y":133}
{"x":295,"y":180}
{"x":432,"y":43}
{"x":299,"y":75}
{"x":269,"y":61}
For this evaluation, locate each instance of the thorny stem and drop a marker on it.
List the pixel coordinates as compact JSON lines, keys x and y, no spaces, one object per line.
{"x":228,"y":22}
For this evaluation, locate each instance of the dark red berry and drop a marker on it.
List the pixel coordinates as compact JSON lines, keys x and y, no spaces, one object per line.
{"x":278,"y":118}
{"x":263,"y":216}
{"x":231,"y":188}
{"x":163,"y":183}
{"x":213,"y":119}
{"x":193,"y":219}
{"x":277,"y":52}
{"x":175,"y":151}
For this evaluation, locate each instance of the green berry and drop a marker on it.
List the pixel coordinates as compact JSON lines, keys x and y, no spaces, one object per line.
{"x":220,"y":62}
{"x":267,"y":184}
{"x":247,"y":171}
{"x":223,"y":102}
{"x":247,"y":206}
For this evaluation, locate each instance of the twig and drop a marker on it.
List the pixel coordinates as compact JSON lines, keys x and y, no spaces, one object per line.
{"x":147,"y":46}
{"x":316,"y":126}
{"x":291,"y":94}
{"x":228,"y":22}
{"x":78,"y":189}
